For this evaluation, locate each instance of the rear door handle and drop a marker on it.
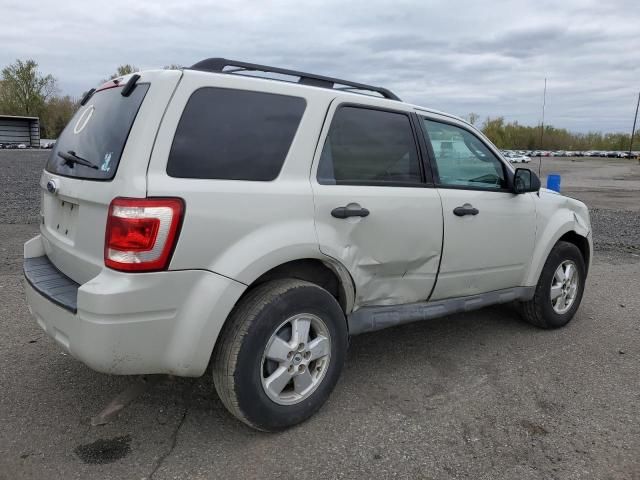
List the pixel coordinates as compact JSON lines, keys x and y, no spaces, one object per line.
{"x":466,"y":209}
{"x":345,"y":212}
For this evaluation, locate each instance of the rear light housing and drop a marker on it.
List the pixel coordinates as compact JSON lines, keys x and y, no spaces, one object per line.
{"x":141,"y":233}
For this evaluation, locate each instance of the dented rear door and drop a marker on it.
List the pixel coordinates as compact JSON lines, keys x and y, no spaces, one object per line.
{"x":375,"y":210}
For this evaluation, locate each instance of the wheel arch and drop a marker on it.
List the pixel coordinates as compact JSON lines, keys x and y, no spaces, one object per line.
{"x":582,"y":242}
{"x":563,"y":227}
{"x":326,"y":273}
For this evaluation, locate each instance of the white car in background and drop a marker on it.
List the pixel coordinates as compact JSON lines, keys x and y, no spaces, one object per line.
{"x":517,"y":157}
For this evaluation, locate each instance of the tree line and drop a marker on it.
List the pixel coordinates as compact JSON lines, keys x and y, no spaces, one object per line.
{"x":25,"y":91}
{"x":512,"y":135}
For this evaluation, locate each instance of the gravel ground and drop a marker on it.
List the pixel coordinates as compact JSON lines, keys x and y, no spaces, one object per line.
{"x":480,"y":395}
{"x":616,"y":231}
{"x":19,"y":192}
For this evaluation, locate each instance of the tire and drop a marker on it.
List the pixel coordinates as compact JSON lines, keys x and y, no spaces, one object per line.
{"x":540,"y":310}
{"x":241,"y":371}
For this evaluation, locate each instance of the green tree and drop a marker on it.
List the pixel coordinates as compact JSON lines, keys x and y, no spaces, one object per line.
{"x":24,"y":90}
{"x":515,"y":136}
{"x":494,"y":129}
{"x":57,"y":113}
{"x":123,"y":70}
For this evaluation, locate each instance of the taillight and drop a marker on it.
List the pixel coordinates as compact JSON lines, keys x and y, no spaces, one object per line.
{"x":142,"y":233}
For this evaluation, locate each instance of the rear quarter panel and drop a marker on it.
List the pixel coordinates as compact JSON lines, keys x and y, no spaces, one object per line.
{"x":242,"y":229}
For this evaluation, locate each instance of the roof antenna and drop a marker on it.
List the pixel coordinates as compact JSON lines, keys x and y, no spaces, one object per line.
{"x":544,"y":103}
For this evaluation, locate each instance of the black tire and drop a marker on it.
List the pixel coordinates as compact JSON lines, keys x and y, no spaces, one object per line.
{"x":539,"y":311}
{"x":238,"y":355}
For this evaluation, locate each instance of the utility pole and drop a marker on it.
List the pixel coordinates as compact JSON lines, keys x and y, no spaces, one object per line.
{"x":633,"y":130}
{"x":544,"y":104}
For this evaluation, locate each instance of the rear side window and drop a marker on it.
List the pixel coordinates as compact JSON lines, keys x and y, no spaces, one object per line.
{"x":97,"y":133}
{"x":369,"y":147}
{"x":234,"y":135}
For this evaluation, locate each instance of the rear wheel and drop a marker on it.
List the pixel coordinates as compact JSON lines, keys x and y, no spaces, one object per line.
{"x":280,"y":354}
{"x":559,"y":290}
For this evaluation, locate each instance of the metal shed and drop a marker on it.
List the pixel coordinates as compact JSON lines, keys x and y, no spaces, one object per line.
{"x":18,"y":130}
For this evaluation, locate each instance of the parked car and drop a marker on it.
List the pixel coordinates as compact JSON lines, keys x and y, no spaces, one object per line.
{"x":517,"y":158}
{"x":255,"y":224}
{"x":21,"y":146}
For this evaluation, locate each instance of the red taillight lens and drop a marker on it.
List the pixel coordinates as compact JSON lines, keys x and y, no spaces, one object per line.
{"x":133,"y":234}
{"x":142,"y":233}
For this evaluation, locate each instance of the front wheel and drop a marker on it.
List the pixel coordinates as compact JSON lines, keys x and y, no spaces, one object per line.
{"x":559,"y":290}
{"x":280,"y":354}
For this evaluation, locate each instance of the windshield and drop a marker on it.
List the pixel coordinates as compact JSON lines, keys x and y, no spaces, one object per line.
{"x":97,"y":133}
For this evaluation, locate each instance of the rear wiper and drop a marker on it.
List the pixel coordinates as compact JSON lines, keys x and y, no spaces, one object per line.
{"x":70,"y":157}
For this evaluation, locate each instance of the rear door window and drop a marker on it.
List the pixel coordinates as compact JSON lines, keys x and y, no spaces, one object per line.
{"x":230,"y":134}
{"x":366,"y":146}
{"x":97,"y":133}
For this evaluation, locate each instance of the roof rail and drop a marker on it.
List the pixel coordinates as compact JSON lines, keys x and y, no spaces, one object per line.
{"x":219,"y":65}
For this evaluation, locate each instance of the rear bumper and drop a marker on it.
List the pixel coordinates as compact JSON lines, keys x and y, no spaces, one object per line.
{"x":141,"y":323}
{"x":51,"y":283}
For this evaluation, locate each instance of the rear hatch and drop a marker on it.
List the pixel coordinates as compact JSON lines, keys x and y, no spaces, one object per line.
{"x":102,"y":153}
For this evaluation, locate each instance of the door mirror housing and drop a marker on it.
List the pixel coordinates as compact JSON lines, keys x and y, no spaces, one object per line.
{"x":524,"y":180}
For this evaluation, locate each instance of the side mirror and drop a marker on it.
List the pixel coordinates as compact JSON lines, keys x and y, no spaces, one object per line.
{"x":524,"y":180}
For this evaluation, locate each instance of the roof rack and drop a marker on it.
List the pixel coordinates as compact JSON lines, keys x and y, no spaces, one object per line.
{"x":219,"y":65}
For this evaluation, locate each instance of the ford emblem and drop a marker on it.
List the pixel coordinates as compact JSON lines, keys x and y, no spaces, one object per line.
{"x":52,"y":187}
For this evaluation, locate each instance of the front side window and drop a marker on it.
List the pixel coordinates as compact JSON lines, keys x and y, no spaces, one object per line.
{"x":369,"y":147}
{"x":229,"y":134}
{"x":462,"y":159}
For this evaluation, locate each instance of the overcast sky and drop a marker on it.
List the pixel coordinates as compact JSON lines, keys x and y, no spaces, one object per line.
{"x":488,"y":57}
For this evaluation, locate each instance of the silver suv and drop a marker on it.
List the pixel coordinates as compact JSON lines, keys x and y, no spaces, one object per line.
{"x":253,"y":218}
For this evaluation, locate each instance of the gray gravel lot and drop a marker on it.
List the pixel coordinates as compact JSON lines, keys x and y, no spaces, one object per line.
{"x":480,"y":395}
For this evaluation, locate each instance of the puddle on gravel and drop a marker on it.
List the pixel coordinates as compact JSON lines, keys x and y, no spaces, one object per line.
{"x":104,"y":450}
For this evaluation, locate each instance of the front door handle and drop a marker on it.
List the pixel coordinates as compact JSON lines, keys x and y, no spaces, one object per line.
{"x":345,"y":212}
{"x":466,"y":209}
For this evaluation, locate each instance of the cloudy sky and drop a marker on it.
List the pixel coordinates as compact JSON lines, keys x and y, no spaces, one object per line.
{"x":488,"y":57}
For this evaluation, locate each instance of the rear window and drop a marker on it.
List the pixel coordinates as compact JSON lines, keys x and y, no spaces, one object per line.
{"x":234,"y":135}
{"x":97,"y":133}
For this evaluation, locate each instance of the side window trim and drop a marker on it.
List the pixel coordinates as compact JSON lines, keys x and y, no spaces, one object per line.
{"x":415,"y":132}
{"x":508,"y":174}
{"x":424,"y":147}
